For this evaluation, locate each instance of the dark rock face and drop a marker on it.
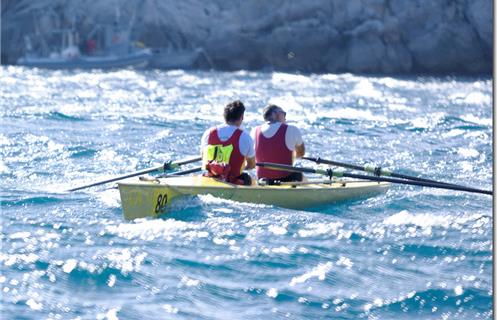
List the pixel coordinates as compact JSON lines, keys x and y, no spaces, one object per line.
{"x":360,"y":36}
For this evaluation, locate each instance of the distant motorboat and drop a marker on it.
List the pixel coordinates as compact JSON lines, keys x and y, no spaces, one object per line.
{"x":138,"y":58}
{"x":118,"y":53}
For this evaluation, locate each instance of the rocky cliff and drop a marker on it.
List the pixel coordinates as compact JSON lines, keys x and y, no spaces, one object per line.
{"x":360,"y":36}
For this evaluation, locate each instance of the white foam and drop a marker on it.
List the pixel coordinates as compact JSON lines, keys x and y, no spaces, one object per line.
{"x":289,"y":103}
{"x":125,"y":259}
{"x":318,"y":272}
{"x":189,"y":282}
{"x":280,"y":77}
{"x":225,"y":210}
{"x":354,"y":114}
{"x":112,"y":314}
{"x":272,"y":293}
{"x":478,"y":98}
{"x":365,"y":88}
{"x":4,"y":141}
{"x":277,"y":230}
{"x":11,"y":259}
{"x":453,"y":133}
{"x":428,"y":121}
{"x":428,"y":220}
{"x":20,"y":235}
{"x":481,"y":121}
{"x":111,"y":281}
{"x":468,"y":152}
{"x":4,"y":168}
{"x":114,"y":126}
{"x":400,"y":107}
{"x":69,"y":265}
{"x":170,"y":309}
{"x":281,"y":250}
{"x":318,"y":228}
{"x":345,"y":261}
{"x":396,"y":83}
{"x":110,"y":198}
{"x":150,"y":229}
{"x":34,"y":305}
{"x":108,"y":155}
{"x":210,"y":199}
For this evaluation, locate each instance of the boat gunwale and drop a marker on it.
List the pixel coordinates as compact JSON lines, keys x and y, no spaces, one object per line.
{"x":342,"y":184}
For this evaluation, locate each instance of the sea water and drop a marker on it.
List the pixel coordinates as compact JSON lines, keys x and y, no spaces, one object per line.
{"x":411,"y":253}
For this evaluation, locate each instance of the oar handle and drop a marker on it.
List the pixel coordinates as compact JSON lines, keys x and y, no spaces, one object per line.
{"x":181,"y":173}
{"x":176,"y":164}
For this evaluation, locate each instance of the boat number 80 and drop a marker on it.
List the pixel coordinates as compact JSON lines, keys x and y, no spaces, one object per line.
{"x":162,"y":200}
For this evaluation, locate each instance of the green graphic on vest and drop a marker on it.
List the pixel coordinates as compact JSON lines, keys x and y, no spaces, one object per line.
{"x":218,"y":153}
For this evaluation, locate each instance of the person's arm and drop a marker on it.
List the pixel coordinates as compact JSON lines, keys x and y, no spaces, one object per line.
{"x":247,"y":149}
{"x":204,"y":140}
{"x":250,"y":163}
{"x":294,"y":141}
{"x":300,"y":150}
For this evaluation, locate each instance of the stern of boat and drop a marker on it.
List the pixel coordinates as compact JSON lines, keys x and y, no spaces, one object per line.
{"x":145,"y":199}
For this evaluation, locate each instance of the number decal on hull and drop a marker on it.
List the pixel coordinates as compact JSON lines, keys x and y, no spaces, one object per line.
{"x":162,"y":200}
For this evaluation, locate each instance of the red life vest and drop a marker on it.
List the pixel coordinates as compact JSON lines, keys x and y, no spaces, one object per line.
{"x":234,"y":168}
{"x":272,"y":150}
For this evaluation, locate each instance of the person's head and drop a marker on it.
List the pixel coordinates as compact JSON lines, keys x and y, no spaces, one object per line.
{"x":274,"y":113}
{"x":234,"y":111}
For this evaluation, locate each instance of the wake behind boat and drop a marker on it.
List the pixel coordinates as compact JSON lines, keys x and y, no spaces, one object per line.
{"x":152,"y":197}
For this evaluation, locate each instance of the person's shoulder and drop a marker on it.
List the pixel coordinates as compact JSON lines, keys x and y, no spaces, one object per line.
{"x":221,"y":126}
{"x":245,"y":134}
{"x":212,"y":128}
{"x":294,"y":133}
{"x":293,"y":127}
{"x":208,"y":130}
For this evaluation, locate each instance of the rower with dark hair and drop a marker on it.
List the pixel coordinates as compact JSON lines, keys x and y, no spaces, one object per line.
{"x":277,"y":142}
{"x":226,"y":149}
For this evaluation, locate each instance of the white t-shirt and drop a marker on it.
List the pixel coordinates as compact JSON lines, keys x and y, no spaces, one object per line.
{"x":225,"y":131}
{"x":293,"y":136}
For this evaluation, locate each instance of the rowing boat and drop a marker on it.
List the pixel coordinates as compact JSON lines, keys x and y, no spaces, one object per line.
{"x":151,"y":197}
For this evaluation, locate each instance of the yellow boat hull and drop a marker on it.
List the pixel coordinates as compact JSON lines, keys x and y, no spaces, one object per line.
{"x":151,"y":198}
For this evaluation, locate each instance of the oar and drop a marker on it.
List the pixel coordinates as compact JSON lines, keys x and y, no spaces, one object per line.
{"x":181,"y":173}
{"x":166,"y":166}
{"x":329,"y":173}
{"x":378,"y":171}
{"x":174,"y":174}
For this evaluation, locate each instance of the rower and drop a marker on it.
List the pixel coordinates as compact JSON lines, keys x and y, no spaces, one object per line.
{"x":227,"y":150}
{"x":277,"y":142}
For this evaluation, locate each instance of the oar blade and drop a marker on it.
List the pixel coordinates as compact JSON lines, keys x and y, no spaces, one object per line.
{"x":331,"y":173}
{"x":137,"y":173}
{"x":377,"y":171}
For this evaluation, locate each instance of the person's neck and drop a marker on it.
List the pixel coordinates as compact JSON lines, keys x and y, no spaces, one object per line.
{"x":234,"y":123}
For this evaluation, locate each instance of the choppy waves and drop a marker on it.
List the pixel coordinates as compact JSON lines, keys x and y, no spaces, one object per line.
{"x":410,"y":253}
